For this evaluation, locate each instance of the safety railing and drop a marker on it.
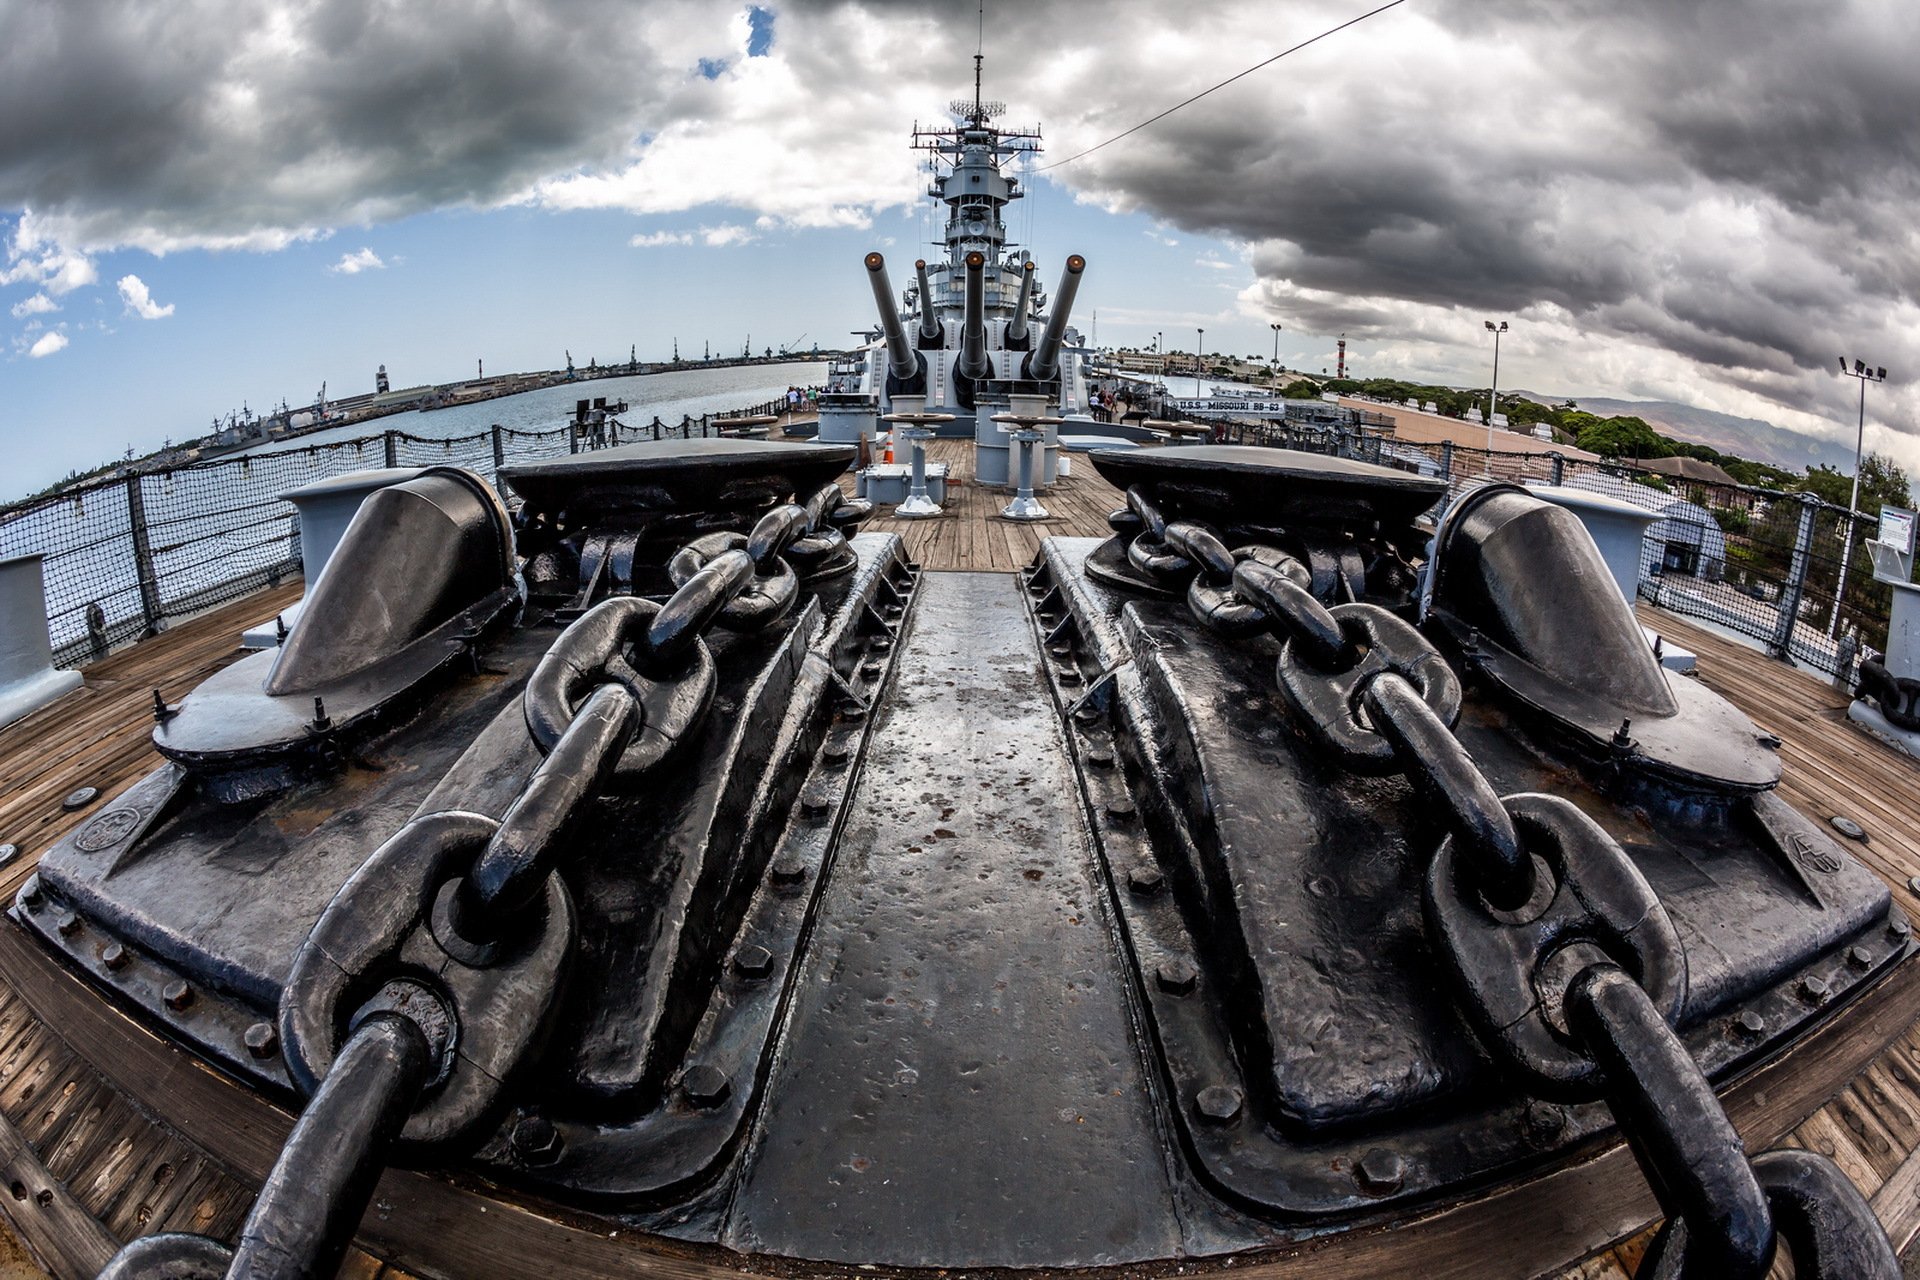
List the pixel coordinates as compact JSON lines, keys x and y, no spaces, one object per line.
{"x":126,"y":556}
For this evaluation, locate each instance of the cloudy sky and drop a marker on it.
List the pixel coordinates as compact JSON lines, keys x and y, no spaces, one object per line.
{"x":204,"y":204}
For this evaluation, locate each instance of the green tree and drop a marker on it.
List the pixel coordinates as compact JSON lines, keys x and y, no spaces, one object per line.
{"x":1623,"y":437}
{"x":1301,"y":389}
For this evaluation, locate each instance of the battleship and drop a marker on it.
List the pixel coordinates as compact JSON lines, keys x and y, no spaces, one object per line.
{"x":665,"y":874}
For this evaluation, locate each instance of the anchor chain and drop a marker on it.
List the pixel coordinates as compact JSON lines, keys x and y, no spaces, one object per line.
{"x":1569,"y":969}
{"x":394,"y":1061}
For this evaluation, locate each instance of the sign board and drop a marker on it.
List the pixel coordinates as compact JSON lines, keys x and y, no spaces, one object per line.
{"x":1238,"y":406}
{"x":1896,"y":529}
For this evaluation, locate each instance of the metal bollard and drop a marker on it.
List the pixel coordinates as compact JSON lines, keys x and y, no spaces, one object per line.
{"x":1024,"y":505}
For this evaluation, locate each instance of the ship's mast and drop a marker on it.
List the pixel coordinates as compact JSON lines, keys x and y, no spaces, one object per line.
{"x":966,"y":159}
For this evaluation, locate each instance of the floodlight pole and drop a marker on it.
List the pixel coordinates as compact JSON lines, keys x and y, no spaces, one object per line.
{"x":1862,"y":374}
{"x":1494,"y":390}
{"x":1198,"y":344}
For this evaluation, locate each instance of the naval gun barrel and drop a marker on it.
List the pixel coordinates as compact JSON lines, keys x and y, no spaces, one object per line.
{"x":1043,"y":364}
{"x":902,"y":362}
{"x":973,"y":337}
{"x":1019,"y":333}
{"x":932,"y":332}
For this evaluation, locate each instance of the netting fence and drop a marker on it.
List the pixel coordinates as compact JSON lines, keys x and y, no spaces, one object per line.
{"x":124,"y":557}
{"x":1754,"y":562}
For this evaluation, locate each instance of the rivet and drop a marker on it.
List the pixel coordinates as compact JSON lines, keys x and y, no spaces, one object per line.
{"x":80,"y":799}
{"x":1899,"y":927}
{"x":1070,"y":677}
{"x":1848,"y":828}
{"x":1860,"y":957}
{"x":178,"y":995}
{"x":535,"y":1140}
{"x":835,"y":753}
{"x":1814,"y":989}
{"x":1750,"y":1023}
{"x":1120,"y":810}
{"x":1177,"y":977}
{"x":114,"y":956}
{"x":67,"y":923}
{"x":262,"y":1040}
{"x":1100,"y":759}
{"x":1218,"y":1103}
{"x":882,"y":644}
{"x":815,"y":806}
{"x":1146,"y":881}
{"x":1060,"y":650}
{"x":787,"y":871}
{"x":1090,"y":714}
{"x":872,"y":670}
{"x":705,"y":1085}
{"x":753,"y":962}
{"x":1544,"y":1121}
{"x":1380,"y":1171}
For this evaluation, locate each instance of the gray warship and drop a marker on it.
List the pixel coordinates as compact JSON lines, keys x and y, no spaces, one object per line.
{"x":1311,"y":869}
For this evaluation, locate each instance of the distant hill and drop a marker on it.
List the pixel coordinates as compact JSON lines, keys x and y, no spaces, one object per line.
{"x":1743,"y":437}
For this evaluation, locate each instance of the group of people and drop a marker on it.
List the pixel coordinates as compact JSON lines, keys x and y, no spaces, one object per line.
{"x":1109,"y":404}
{"x":797,"y":396}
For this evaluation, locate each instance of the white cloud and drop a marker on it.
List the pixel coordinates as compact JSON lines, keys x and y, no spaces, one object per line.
{"x":1212,"y":263}
{"x":660,"y":239}
{"x":38,"y":305}
{"x":133,"y":292}
{"x":352,"y":264}
{"x":48,"y":344}
{"x":726,"y":234}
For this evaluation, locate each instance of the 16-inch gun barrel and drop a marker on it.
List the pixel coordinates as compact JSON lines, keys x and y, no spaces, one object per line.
{"x":932,"y":332}
{"x":1019,"y":333}
{"x":1043,"y":365}
{"x":902,"y":362}
{"x":973,"y":337}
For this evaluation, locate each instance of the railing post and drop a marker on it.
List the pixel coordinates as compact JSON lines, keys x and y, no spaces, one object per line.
{"x":390,"y":441}
{"x":1791,"y":591}
{"x":499,"y":448}
{"x":1559,"y":466}
{"x":656,"y":424}
{"x":573,"y":437}
{"x":143,"y":557}
{"x":1446,"y":459}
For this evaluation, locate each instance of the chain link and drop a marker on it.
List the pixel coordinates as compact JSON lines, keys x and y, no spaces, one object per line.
{"x":1569,"y":968}
{"x":481,"y":905}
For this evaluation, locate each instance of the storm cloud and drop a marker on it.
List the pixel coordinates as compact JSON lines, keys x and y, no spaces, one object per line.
{"x":1704,"y":202}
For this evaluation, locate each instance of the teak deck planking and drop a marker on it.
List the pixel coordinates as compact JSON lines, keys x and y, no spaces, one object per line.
{"x":83,"y":1167}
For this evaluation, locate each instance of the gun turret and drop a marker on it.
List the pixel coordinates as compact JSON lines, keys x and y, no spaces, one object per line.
{"x":1019,"y":334}
{"x":974,"y":366}
{"x":903,"y":362}
{"x":933,"y":334}
{"x":1043,"y":362}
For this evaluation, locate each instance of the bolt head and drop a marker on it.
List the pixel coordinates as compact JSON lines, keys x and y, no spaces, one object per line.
{"x":1218,"y":1104}
{"x":1060,"y":650}
{"x":31,"y":896}
{"x":67,"y":923}
{"x":1146,"y":881}
{"x":1913,"y":884}
{"x":1101,"y":759}
{"x":80,"y":798}
{"x":835,"y":753}
{"x":1380,"y":1171}
{"x":1178,"y":977}
{"x":1814,"y":989}
{"x":1860,"y":957}
{"x":787,"y":871}
{"x":8,"y":852}
{"x":1899,"y":927}
{"x":1544,"y":1121}
{"x":178,"y":995}
{"x":815,"y":806}
{"x":1750,"y":1023}
{"x":754,"y":962}
{"x":1120,"y":810}
{"x":262,"y":1040}
{"x":1848,"y":828}
{"x":114,"y":956}
{"x":705,"y":1085}
{"x":535,"y":1140}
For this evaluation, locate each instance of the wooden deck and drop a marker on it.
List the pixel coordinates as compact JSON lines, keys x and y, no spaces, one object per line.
{"x":87,"y":1168}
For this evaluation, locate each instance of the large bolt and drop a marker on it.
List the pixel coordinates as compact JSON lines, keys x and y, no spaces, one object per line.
{"x":1814,"y":989}
{"x":1860,"y":957}
{"x":754,"y":962}
{"x":30,"y":895}
{"x":1750,"y":1023}
{"x":1146,"y":881}
{"x":8,"y":852}
{"x":787,"y":871}
{"x":80,"y":799}
{"x":67,"y":923}
{"x":1380,"y":1171}
{"x":835,"y":753}
{"x":705,"y":1085}
{"x":815,"y":805}
{"x":1899,"y":927}
{"x":1100,"y":759}
{"x":1218,"y":1104}
{"x":114,"y":956}
{"x":178,"y":995}
{"x":1120,"y":810}
{"x":535,"y":1140}
{"x":262,"y":1040}
{"x":1178,"y":977}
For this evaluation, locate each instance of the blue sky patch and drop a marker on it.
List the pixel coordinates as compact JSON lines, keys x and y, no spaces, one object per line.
{"x":712,"y":67}
{"x":759,"y":31}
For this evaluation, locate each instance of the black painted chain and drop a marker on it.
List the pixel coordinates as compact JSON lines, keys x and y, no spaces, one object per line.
{"x":1569,"y":968}
{"x":481,"y":905}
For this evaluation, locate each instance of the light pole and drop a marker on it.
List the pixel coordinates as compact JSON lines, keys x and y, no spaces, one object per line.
{"x":1494,"y":390}
{"x":1861,"y":373}
{"x":1199,"y":345}
{"x":1273,"y":365}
